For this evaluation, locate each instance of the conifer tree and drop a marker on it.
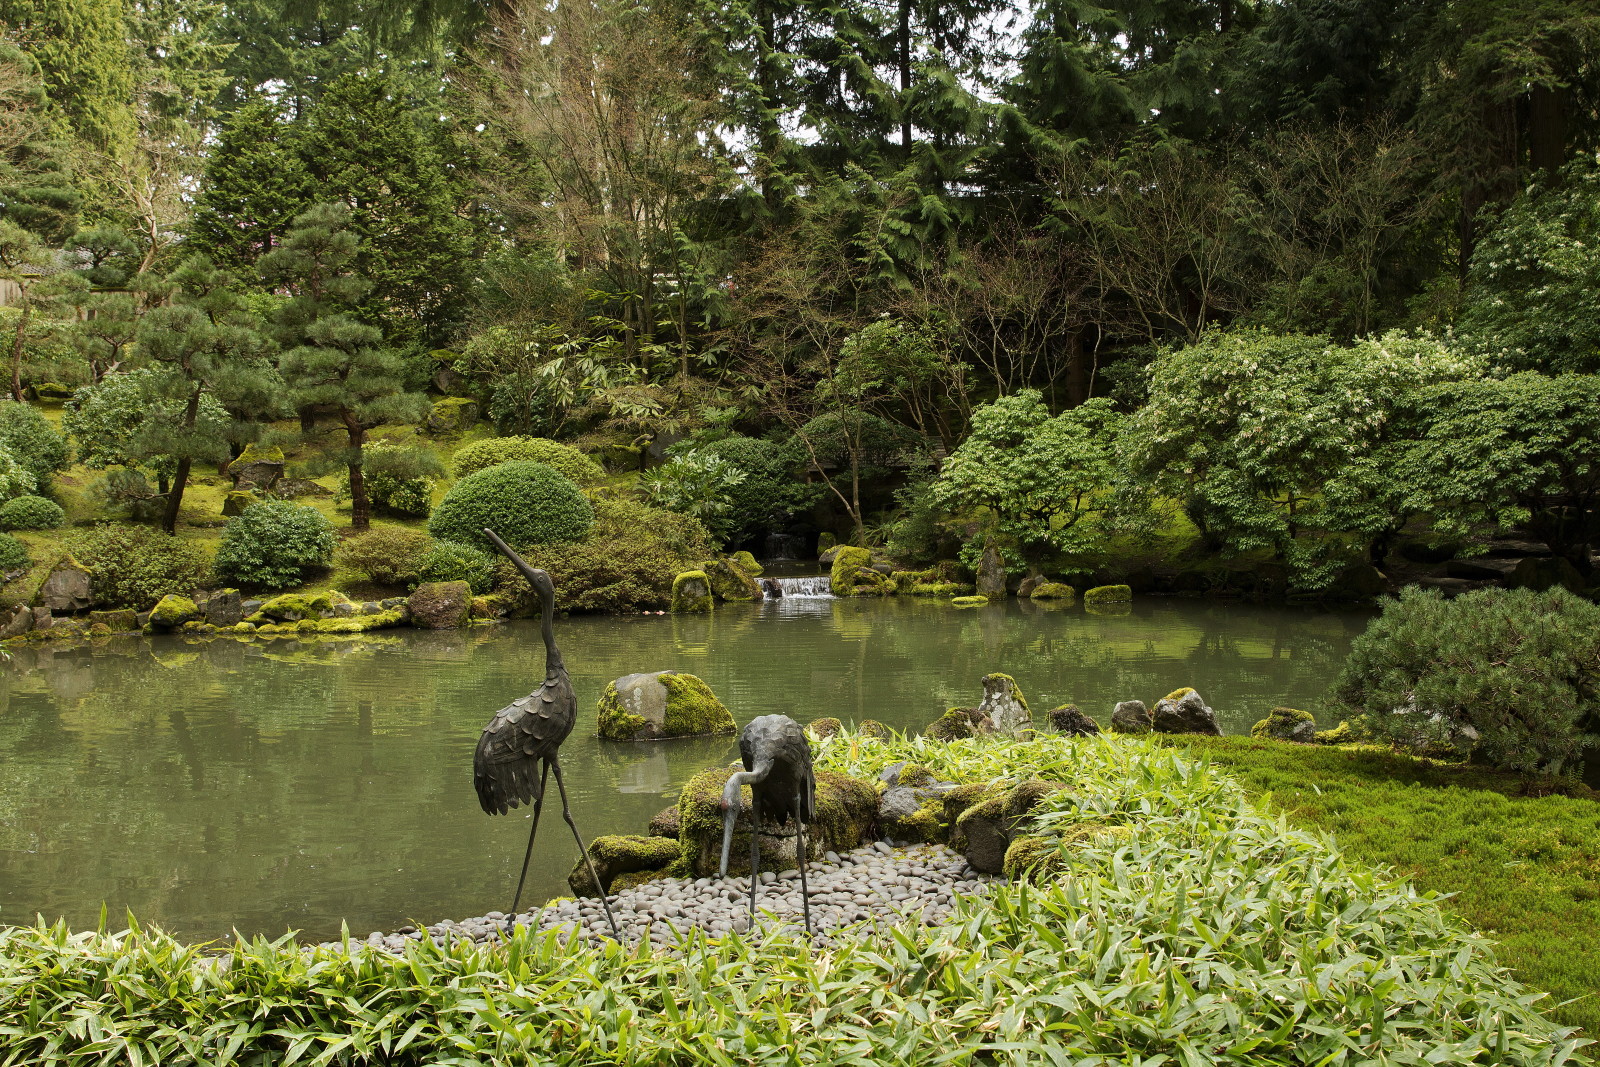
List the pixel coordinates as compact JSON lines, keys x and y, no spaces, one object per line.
{"x":331,"y":357}
{"x":254,"y":187}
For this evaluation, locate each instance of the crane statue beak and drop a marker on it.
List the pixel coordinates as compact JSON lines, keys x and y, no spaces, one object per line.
{"x":730,"y":816}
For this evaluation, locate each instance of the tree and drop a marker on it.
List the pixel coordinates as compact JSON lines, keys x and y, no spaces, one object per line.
{"x":81,"y":50}
{"x":1040,"y":482}
{"x":207,"y":344}
{"x":901,"y":373}
{"x":111,"y":422}
{"x":331,"y":358}
{"x":255,"y":184}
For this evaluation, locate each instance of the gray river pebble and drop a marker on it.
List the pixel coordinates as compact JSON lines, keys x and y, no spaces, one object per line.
{"x":878,"y":883}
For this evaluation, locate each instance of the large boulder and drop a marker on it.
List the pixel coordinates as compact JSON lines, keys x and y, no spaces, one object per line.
{"x":224,"y":607}
{"x":992,"y":573}
{"x":1287,"y":724}
{"x":1052,"y":591}
{"x":1130,"y":717}
{"x":19,"y":623}
{"x":691,"y":592}
{"x":452,"y":415}
{"x":1541,"y":574}
{"x":661,"y":704}
{"x":236,"y":501}
{"x":441,"y":605}
{"x":730,"y":582}
{"x":1004,"y":705}
{"x":747,"y":563}
{"x":118,"y":621}
{"x":846,"y":810}
{"x":617,"y":854}
{"x":257,"y":469}
{"x":1069,"y":719}
{"x":985,"y":830}
{"x":172,"y":611}
{"x":65,"y":589}
{"x":854,"y":575}
{"x":1183,"y":712}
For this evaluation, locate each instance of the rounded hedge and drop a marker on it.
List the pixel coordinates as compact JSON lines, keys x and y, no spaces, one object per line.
{"x":36,"y":444}
{"x":272,"y":545}
{"x":31,"y":513}
{"x":447,"y":561}
{"x":482,"y":455}
{"x":388,"y":555}
{"x":135,"y":566}
{"x":525,"y":503}
{"x":13,"y":554}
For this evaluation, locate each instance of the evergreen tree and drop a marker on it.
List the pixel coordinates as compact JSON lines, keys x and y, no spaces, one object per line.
{"x":331,"y":358}
{"x":82,"y":53}
{"x":207,"y":344}
{"x":254,"y":187}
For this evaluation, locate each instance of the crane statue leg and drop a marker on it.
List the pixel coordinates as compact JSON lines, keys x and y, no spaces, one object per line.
{"x":538,"y":804}
{"x":800,"y":856}
{"x":566,"y":812}
{"x":755,"y":857}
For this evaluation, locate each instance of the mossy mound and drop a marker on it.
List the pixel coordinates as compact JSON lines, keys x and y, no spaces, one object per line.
{"x":852,"y":574}
{"x":293,"y":607}
{"x":1053,"y":591}
{"x":939,"y":589}
{"x":988,"y":826}
{"x":691,"y":592}
{"x":666,"y":823}
{"x":1286,"y":724}
{"x":729,"y":582}
{"x":1072,"y":720}
{"x":1032,"y":858}
{"x":618,"y":854}
{"x":1343,"y":734}
{"x":825,"y":727}
{"x":1108,"y":594}
{"x":747,"y":563}
{"x":846,"y":809}
{"x":953,"y":725}
{"x":659,"y":705}
{"x":969,"y":601}
{"x":872,"y":728}
{"x":172,"y":611}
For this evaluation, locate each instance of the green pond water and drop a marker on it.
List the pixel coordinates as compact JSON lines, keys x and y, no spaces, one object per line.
{"x":266,"y":786}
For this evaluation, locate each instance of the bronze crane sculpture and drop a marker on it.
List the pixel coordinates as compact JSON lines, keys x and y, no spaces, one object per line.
{"x":519,"y":748}
{"x":777,"y":768}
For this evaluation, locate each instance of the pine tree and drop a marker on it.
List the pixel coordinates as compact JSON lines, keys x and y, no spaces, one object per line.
{"x":207,"y":344}
{"x":331,"y":357}
{"x":254,"y":187}
{"x":81,"y":50}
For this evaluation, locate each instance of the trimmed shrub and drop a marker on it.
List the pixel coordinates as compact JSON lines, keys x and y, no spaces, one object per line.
{"x":769,"y":495}
{"x":15,"y":479}
{"x":628,"y":562}
{"x":1504,"y":675}
{"x":31,"y":513}
{"x":481,"y":455}
{"x":13,"y":554}
{"x":524,"y":502}
{"x":29,"y":437}
{"x":400,"y":478}
{"x":273,"y":545}
{"x":388,"y":555}
{"x":447,"y":561}
{"x":135,"y":566}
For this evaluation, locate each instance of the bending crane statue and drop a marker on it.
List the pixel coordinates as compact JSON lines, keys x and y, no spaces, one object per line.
{"x":777,"y":768}
{"x":518,"y":749}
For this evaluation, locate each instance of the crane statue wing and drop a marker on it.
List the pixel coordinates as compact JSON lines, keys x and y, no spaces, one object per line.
{"x":511,"y":752}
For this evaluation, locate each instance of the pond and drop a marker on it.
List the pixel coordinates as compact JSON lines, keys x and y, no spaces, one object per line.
{"x":265,"y":786}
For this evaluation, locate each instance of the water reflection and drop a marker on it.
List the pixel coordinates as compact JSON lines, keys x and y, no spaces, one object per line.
{"x":209,"y":786}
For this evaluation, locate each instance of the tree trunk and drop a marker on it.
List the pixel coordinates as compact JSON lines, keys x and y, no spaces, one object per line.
{"x":1547,"y":129}
{"x":180,"y":480}
{"x":360,"y":507}
{"x":905,"y":77}
{"x":16,"y":348}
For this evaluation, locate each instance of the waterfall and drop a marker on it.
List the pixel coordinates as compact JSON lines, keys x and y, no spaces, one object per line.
{"x":815,"y":585}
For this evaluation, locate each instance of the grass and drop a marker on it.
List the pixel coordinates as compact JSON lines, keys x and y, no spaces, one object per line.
{"x":1203,"y":932}
{"x":1523,"y":869}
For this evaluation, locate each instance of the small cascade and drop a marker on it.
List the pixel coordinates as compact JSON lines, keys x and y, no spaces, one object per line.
{"x":815,"y":585}
{"x":784,"y":546}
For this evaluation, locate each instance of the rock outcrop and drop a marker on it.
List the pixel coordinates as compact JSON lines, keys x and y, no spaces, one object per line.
{"x":66,"y":589}
{"x":1287,"y":724}
{"x":691,"y":592}
{"x":440,"y":605}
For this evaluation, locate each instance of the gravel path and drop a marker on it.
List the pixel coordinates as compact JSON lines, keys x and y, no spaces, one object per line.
{"x":876,"y":882}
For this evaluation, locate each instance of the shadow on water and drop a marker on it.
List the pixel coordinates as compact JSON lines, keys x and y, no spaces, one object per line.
{"x":264,"y":786}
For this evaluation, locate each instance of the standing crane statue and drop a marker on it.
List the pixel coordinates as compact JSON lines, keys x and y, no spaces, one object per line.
{"x":777,"y":768}
{"x":519,"y":747}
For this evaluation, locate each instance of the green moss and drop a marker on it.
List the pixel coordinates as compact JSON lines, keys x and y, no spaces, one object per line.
{"x":825,"y":727}
{"x":747,"y":563}
{"x":254,"y":453}
{"x":617,"y":723}
{"x":293,"y":607}
{"x":1343,"y":734}
{"x":846,"y":809}
{"x":173,"y":611}
{"x":1054,"y":591}
{"x":915,"y":775}
{"x":926,"y":824}
{"x":1031,"y":858}
{"x":692,"y":708}
{"x":691,"y":592}
{"x":1021,"y":799}
{"x":237,"y":500}
{"x":621,"y":854}
{"x":1280,"y":723}
{"x":969,"y":601}
{"x":244,"y":628}
{"x":1178,"y":694}
{"x":941,"y":589}
{"x":1108,"y":594}
{"x":871,"y":728}
{"x":955,"y":723}
{"x":728,"y":582}
{"x":120,"y":621}
{"x":354,"y":624}
{"x":852,"y":574}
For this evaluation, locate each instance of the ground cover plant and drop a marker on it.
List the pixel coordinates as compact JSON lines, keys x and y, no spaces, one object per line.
{"x":1521,"y":867}
{"x":1206,"y":933}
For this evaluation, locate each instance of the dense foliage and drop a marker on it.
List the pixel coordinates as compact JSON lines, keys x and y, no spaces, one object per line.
{"x":31,"y":513}
{"x":559,"y":457}
{"x":526,"y":503}
{"x":628,"y":560}
{"x":13,"y":554}
{"x":274,"y":545}
{"x":15,"y":479}
{"x":1506,"y":676}
{"x":32,"y":441}
{"x":388,"y":555}
{"x":135,"y":566}
{"x":448,"y":561}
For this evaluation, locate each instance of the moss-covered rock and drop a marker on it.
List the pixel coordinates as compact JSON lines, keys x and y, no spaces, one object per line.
{"x":257,"y":468}
{"x":667,"y":822}
{"x":292,"y":607}
{"x":747,"y":563}
{"x":172,"y":611}
{"x":1004,"y":705}
{"x":957,"y":723}
{"x":826,"y":542}
{"x":1053,"y":591}
{"x":1343,"y":734}
{"x":936,"y":588}
{"x":969,"y":601}
{"x":987,"y":828}
{"x":237,"y":500}
{"x":825,"y":727}
{"x":661,"y":704}
{"x":853,"y":574}
{"x":728,"y":582}
{"x":691,"y":592}
{"x":66,"y":589}
{"x":959,"y":800}
{"x":121,"y":621}
{"x":1286,"y":724}
{"x":1071,"y":720}
{"x":1108,"y":594}
{"x":846,"y":810}
{"x":1188,"y":714}
{"x":452,"y":415}
{"x":912,"y":816}
{"x":1032,"y":858}
{"x":440,"y":605}
{"x":872,"y":728}
{"x":617,"y":854}
{"x":354,"y":624}
{"x":1179,"y":694}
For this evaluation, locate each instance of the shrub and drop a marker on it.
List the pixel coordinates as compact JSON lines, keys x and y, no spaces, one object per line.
{"x":524,"y":502}
{"x":29,"y":437}
{"x":272,"y":545}
{"x":31,"y":513}
{"x":482,"y":455}
{"x":13,"y":554}
{"x":400,"y":478}
{"x":15,"y":478}
{"x":628,"y":562}
{"x":135,"y":566}
{"x":769,"y":495}
{"x":698,"y":484}
{"x":447,"y":561}
{"x":388,"y":555}
{"x":1505,"y":675}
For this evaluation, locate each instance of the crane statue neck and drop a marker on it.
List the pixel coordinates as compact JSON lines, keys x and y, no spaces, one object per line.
{"x":547,"y":628}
